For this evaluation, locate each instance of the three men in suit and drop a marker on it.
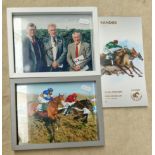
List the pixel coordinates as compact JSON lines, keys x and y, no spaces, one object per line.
{"x":33,"y":55}
{"x":79,"y":54}
{"x":51,"y":55}
{"x":55,"y":50}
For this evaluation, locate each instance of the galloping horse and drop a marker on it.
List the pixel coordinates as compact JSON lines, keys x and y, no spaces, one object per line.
{"x":123,"y":58}
{"x":84,"y":103}
{"x":50,"y":116}
{"x":80,"y":105}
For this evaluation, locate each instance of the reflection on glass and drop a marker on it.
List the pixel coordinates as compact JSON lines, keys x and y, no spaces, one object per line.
{"x":22,"y":113}
{"x":18,"y":45}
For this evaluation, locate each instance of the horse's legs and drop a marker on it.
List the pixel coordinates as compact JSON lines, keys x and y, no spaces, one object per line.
{"x":85,"y":118}
{"x":108,"y":72}
{"x":124,"y":71}
{"x":77,"y":117}
{"x":69,"y":109}
{"x":136,"y":72}
{"x":135,"y":68}
{"x":57,"y":122}
{"x":128,"y":69}
{"x":138,"y":69}
{"x":65,"y":111}
{"x":53,"y":133}
{"x":50,"y":130}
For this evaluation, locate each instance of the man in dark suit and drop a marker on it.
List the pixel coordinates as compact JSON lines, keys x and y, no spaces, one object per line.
{"x":55,"y":51}
{"x":33,"y":54}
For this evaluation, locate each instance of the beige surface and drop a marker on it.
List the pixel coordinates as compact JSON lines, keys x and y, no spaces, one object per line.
{"x":127,"y":130}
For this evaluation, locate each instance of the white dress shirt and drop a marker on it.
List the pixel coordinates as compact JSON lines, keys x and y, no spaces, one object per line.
{"x":54,"y":48}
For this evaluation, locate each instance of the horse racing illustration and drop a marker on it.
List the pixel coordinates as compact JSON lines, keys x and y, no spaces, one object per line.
{"x":122,"y":62}
{"x":117,"y":58}
{"x":57,"y":112}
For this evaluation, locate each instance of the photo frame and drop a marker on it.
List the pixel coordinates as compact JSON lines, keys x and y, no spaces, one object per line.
{"x":22,"y":95}
{"x":18,"y":18}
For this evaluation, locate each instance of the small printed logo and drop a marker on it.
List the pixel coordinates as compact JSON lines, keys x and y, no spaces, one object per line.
{"x":108,"y":22}
{"x":136,"y":95}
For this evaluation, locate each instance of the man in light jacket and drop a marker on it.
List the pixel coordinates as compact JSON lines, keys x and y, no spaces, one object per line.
{"x":79,"y":54}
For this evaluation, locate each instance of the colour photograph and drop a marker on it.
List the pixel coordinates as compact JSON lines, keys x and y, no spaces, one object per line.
{"x":52,"y":43}
{"x":56,"y":112}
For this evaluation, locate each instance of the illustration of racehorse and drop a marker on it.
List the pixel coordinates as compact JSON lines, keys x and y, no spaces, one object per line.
{"x":49,"y":116}
{"x":124,"y":59}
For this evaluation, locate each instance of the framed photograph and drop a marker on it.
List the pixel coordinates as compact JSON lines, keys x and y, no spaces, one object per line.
{"x":51,"y":113}
{"x":53,"y":41}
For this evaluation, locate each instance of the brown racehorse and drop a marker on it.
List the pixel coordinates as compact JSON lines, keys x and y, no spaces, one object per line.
{"x":123,"y":59}
{"x":52,"y":109}
{"x":80,"y":105}
{"x":50,"y":116}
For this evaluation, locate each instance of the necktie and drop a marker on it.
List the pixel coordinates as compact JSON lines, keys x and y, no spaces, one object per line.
{"x":76,"y":51}
{"x":33,"y":41}
{"x":54,"y":40}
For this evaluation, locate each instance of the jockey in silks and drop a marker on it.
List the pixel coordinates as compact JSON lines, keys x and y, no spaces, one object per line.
{"x":110,"y":48}
{"x":44,"y":98}
{"x":70,"y":100}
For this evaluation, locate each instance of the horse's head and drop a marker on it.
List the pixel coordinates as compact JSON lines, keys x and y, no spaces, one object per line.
{"x":57,"y":100}
{"x":136,"y":54}
{"x":88,"y":104}
{"x":61,"y":97}
{"x":140,"y":56}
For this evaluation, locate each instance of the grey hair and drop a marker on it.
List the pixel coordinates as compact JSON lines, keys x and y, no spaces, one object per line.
{"x":77,"y":33}
{"x":31,"y":25}
{"x":52,"y":25}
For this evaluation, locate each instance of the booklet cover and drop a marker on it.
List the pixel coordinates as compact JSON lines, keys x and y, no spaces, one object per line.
{"x":122,"y":62}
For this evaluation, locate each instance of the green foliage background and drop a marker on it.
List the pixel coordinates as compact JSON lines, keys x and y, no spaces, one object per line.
{"x":66,"y":34}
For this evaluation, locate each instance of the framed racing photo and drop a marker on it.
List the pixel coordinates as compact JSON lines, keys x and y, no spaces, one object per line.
{"x":53,"y":41}
{"x":51,"y":113}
